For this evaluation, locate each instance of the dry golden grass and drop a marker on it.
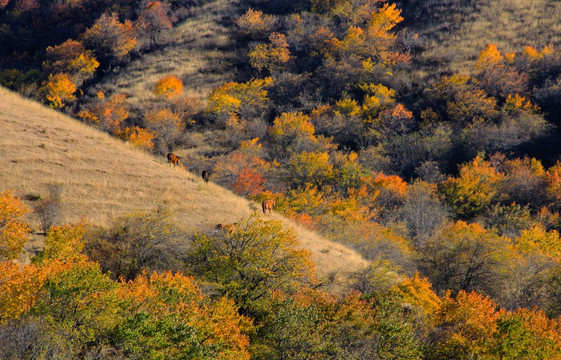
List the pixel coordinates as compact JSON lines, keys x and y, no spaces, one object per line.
{"x":510,"y":24}
{"x":200,"y":53}
{"x":103,"y":178}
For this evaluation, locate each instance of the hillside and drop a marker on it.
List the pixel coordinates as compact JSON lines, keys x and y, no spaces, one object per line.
{"x":455,"y":32}
{"x":103,"y":178}
{"x":200,"y":52}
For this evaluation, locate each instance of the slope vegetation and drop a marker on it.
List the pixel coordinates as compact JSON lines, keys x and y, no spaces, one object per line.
{"x":103,"y":178}
{"x":456,"y":31}
{"x":200,"y":51}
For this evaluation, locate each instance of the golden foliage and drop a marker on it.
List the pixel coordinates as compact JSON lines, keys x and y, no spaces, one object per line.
{"x":310,"y":167}
{"x":378,"y":97}
{"x":538,"y":241}
{"x":272,"y":56}
{"x":417,"y":291}
{"x":109,"y":37}
{"x":517,"y":102}
{"x":226,"y":101}
{"x":139,"y":137}
{"x":288,"y":126}
{"x":491,"y":56}
{"x":474,"y":189}
{"x":168,"y":87}
{"x":254,"y":22}
{"x":59,"y":90}
{"x":383,"y":20}
{"x":64,"y":243}
{"x":13,"y":230}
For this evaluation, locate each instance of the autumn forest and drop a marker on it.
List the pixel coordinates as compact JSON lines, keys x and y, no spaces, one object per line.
{"x":443,"y":172}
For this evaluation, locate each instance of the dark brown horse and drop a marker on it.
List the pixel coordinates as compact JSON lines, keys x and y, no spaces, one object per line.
{"x":205,"y":175}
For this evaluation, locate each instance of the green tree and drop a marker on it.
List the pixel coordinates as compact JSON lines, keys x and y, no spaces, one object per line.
{"x":467,"y":257}
{"x":310,"y":168}
{"x":249,"y":261}
{"x":139,"y":241}
{"x":166,"y":316}
{"x":315,"y":325}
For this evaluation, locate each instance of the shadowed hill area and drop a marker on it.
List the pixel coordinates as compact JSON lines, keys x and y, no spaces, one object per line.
{"x":200,"y":52}
{"x":103,"y":178}
{"x":457,"y":30}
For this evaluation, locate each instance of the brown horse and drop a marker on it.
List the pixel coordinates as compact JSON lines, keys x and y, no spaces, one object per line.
{"x":205,"y":175}
{"x":173,"y":159}
{"x":228,"y":228}
{"x":268,"y":206}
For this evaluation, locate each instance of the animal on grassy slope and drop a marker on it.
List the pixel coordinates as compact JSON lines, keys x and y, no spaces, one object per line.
{"x":173,"y":159}
{"x":228,"y":228}
{"x":268,"y":206}
{"x":205,"y":175}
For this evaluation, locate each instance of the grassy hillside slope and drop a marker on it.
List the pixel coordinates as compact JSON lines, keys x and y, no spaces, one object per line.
{"x":102,"y":178}
{"x":200,"y":52}
{"x":458,"y":30}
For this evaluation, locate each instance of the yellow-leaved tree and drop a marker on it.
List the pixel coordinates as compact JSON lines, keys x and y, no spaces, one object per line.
{"x":250,"y":260}
{"x":272,"y":56}
{"x":59,"y":90}
{"x":474,"y":189}
{"x":13,"y":229}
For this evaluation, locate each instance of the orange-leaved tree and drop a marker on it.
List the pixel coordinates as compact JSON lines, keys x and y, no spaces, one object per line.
{"x":167,"y":316}
{"x":139,"y":137}
{"x":464,"y":327}
{"x":108,"y":113}
{"x":109,"y":38}
{"x":470,"y":326}
{"x":168,"y":87}
{"x":71,"y":57}
{"x":13,"y":229}
{"x":239,"y":168}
